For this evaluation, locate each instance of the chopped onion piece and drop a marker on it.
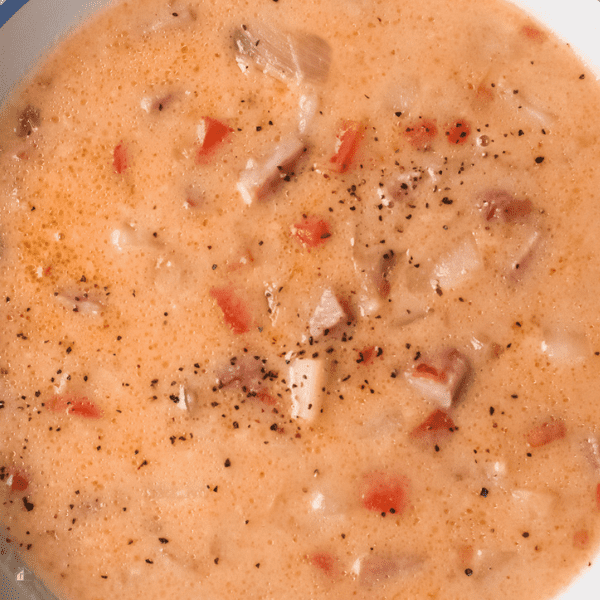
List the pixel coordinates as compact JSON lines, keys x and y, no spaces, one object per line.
{"x":173,"y":16}
{"x":79,"y":302}
{"x":373,"y":570}
{"x":306,"y":379}
{"x":156,"y":104}
{"x":441,"y":377}
{"x":308,"y":105}
{"x":564,"y":346}
{"x":128,"y":236}
{"x":328,"y":313}
{"x":402,"y":95}
{"x":457,"y":266}
{"x":185,"y":400}
{"x":259,"y":180}
{"x":291,"y":57}
{"x":524,"y":254}
{"x":533,"y":506}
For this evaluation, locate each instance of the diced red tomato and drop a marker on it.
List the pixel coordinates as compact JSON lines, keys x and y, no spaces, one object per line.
{"x":349,"y":138}
{"x":266,"y":398}
{"x":385,"y":493}
{"x":581,"y":538}
{"x":326,"y":562}
{"x":73,"y":405}
{"x":211,"y":134}
{"x":421,"y":133}
{"x":457,"y":132}
{"x":120,"y":158}
{"x":312,"y":232}
{"x":235,"y":310}
{"x":85,"y":408}
{"x":598,"y":496}
{"x":533,"y":33}
{"x":19,"y":482}
{"x":438,"y":424}
{"x":546,"y":433}
{"x":367,"y":355}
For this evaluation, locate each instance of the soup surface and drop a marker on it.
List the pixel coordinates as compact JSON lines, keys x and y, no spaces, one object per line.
{"x":302,"y":303}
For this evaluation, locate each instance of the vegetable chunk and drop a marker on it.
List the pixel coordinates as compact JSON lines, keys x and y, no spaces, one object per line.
{"x":440,"y":377}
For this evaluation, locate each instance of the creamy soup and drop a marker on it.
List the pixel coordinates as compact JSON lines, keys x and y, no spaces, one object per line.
{"x":302,"y":302}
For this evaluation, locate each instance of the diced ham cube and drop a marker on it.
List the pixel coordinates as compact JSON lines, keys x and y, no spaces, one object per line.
{"x":385,"y":493}
{"x":235,"y":310}
{"x":245,"y":372}
{"x":260,"y":180}
{"x":499,"y":205}
{"x":546,"y":433}
{"x":211,"y":134}
{"x":306,"y":381}
{"x":591,"y":451}
{"x":400,"y":188}
{"x":328,"y":314}
{"x":436,"y":426}
{"x":312,"y":232}
{"x":292,"y":57}
{"x":440,"y":377}
{"x":381,"y":274}
{"x":348,"y":140}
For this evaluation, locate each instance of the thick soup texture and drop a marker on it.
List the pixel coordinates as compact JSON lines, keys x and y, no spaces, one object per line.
{"x":302,"y":302}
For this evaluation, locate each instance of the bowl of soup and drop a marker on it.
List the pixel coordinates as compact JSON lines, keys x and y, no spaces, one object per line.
{"x":300,"y":301}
